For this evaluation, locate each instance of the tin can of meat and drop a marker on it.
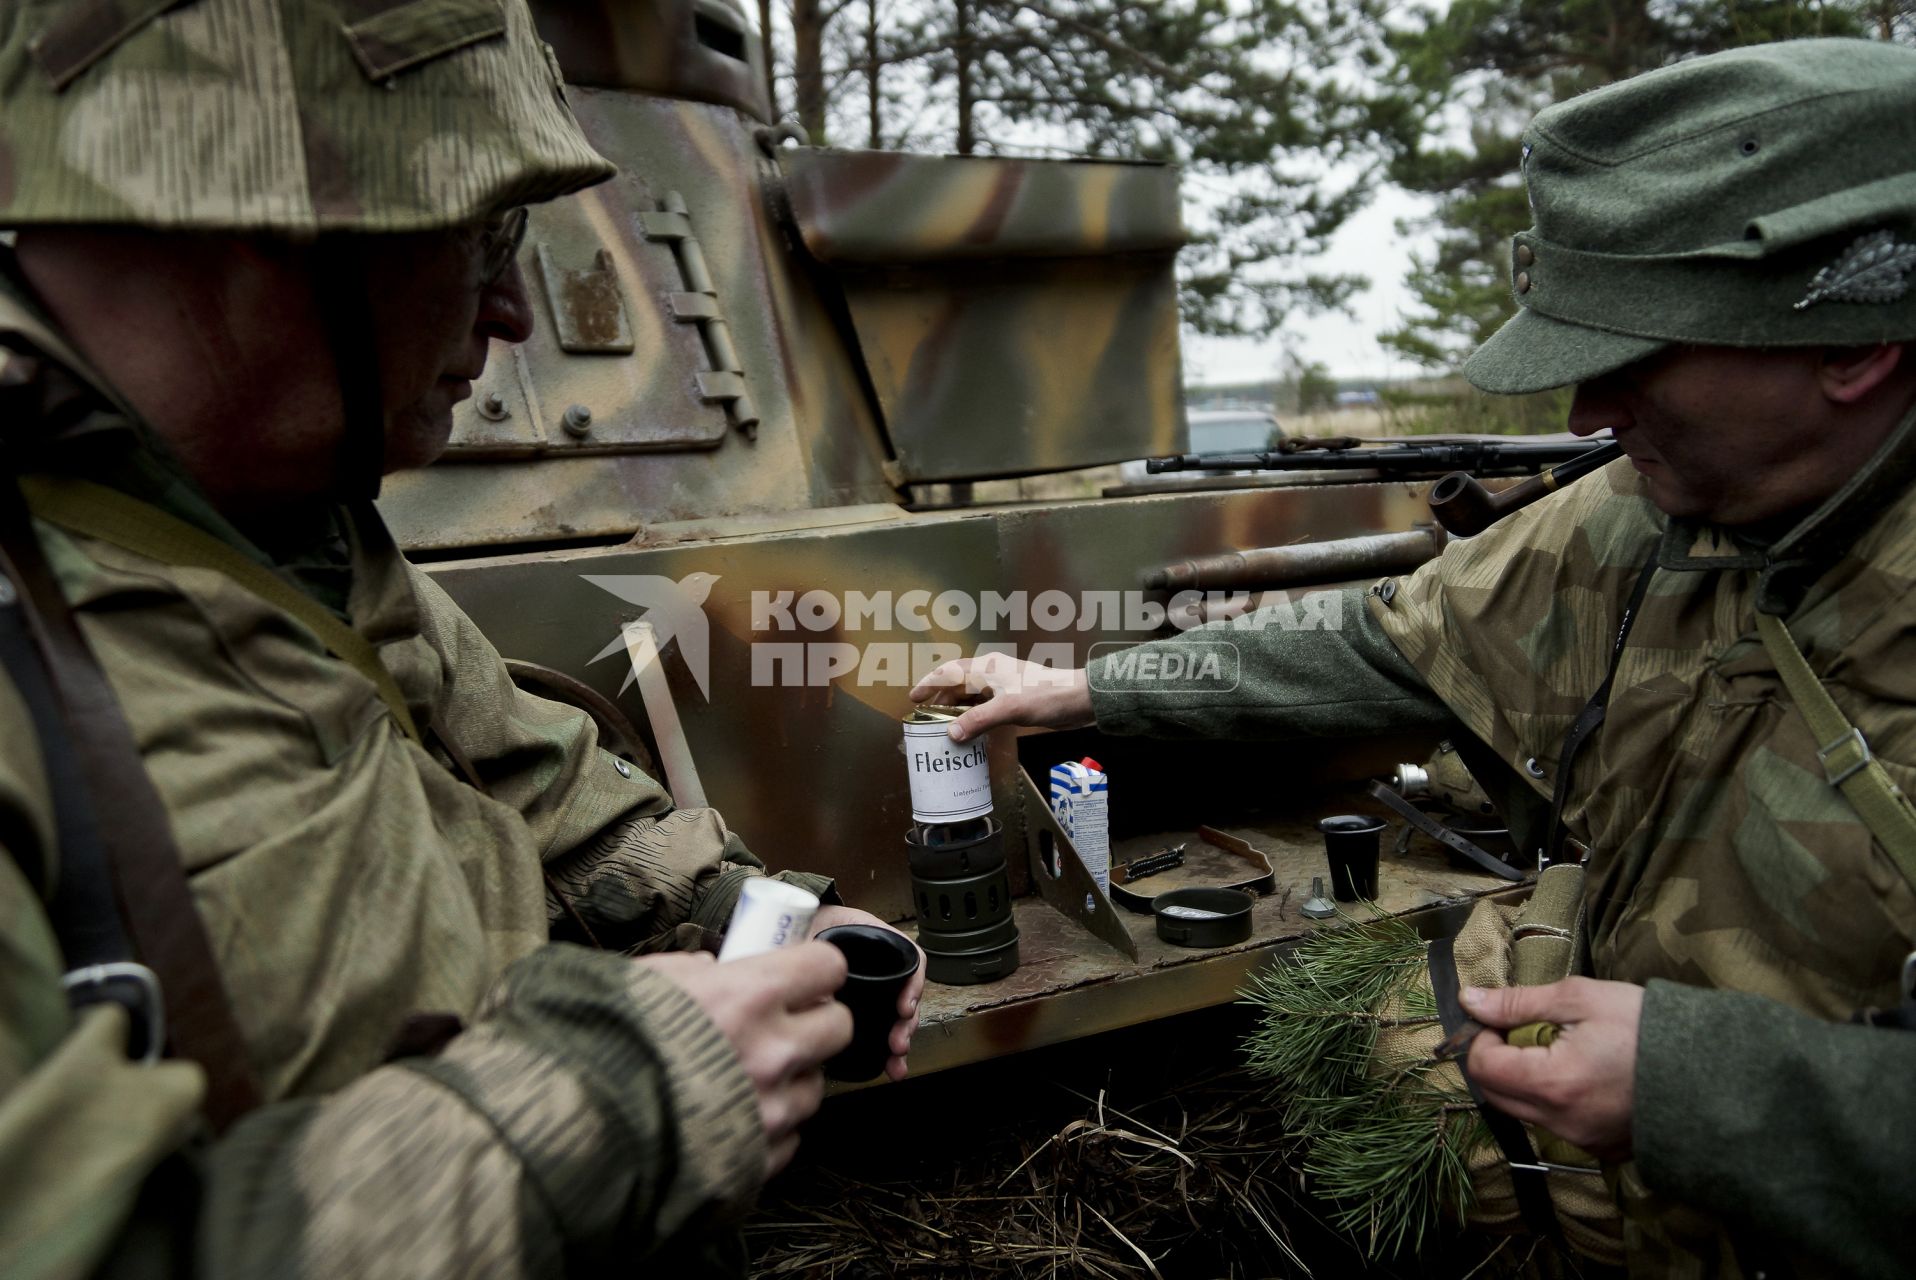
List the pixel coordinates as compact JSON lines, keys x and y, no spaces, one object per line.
{"x":950,"y":781}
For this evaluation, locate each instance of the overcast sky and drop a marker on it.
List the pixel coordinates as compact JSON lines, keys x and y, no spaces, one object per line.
{"x":1368,"y":245}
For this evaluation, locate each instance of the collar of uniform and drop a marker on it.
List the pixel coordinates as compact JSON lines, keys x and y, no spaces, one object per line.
{"x":383,"y":605}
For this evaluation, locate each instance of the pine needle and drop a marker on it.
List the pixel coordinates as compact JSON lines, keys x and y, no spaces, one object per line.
{"x":1387,"y":1144}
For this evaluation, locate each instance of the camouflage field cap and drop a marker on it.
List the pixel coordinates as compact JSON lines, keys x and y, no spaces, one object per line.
{"x":293,"y":116}
{"x":1764,"y":197}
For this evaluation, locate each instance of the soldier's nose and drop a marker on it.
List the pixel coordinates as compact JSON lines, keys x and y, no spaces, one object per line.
{"x":504,"y":309}
{"x":1597,"y":408}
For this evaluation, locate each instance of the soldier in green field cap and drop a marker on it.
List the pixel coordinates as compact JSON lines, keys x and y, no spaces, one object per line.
{"x":290,"y":873}
{"x":1721,"y":261}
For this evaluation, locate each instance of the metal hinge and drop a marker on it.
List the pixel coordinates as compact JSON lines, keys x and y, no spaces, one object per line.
{"x":724,"y":382}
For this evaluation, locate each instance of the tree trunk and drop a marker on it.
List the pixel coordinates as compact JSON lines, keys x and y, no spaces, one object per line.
{"x":873,"y":100}
{"x":961,"y":46}
{"x":766,"y":53}
{"x":808,"y":66}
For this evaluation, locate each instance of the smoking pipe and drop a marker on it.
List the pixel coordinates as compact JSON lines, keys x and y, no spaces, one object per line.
{"x":1464,"y":507}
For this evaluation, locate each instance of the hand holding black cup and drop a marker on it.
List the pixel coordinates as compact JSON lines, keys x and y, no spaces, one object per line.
{"x":879,"y":962}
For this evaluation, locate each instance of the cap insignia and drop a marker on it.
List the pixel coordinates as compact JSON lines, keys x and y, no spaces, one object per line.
{"x":1873,"y":269}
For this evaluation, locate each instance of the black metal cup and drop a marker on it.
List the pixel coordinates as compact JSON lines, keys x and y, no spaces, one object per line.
{"x":1350,"y":843}
{"x":879,"y":963}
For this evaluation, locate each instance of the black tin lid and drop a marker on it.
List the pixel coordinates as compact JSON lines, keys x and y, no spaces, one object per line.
{"x":1219,"y":917}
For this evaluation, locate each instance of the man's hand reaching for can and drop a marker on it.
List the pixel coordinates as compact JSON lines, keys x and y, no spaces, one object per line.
{"x":1015,"y":692}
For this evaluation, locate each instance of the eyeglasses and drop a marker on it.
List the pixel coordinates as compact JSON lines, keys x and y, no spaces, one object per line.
{"x":499,"y":243}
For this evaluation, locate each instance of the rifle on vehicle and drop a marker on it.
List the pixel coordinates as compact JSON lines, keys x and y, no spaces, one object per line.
{"x":1398,"y":458}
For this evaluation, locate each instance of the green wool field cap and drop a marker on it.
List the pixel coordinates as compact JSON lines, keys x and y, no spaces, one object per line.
{"x":1764,"y":197}
{"x":280,"y":116}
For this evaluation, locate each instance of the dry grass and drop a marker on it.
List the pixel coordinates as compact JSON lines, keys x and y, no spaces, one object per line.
{"x":1109,"y":1195}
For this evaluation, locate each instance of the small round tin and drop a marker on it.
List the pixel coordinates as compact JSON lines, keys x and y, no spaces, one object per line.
{"x":1203,"y":917}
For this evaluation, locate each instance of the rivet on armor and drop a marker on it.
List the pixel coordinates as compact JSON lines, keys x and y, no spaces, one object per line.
{"x":625,"y":770}
{"x":1525,"y":255}
{"x":577,"y":420}
{"x":1523,"y":282}
{"x":492,"y":407}
{"x":1533,"y":767}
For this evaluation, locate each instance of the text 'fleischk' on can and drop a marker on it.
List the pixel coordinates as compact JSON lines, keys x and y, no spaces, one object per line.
{"x":950,"y":781}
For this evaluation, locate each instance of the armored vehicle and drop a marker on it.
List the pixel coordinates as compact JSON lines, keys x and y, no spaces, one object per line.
{"x":754,"y":474}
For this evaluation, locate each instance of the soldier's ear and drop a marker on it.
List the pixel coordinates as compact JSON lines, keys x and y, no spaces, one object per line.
{"x":1849,"y":374}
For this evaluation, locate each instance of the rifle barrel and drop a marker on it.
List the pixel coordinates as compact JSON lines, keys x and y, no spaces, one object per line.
{"x":1484,"y":457}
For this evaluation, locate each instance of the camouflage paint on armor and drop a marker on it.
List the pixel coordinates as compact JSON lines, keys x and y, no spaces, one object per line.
{"x":1054,"y":276}
{"x":811,"y":775}
{"x":701,"y":50}
{"x":255,"y":115}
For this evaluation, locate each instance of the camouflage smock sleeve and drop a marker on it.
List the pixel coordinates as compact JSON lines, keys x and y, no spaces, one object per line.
{"x":1785,"y":1125}
{"x":592,"y":1116}
{"x":628,"y":862}
{"x":1321,"y":669}
{"x":591,"y":1109}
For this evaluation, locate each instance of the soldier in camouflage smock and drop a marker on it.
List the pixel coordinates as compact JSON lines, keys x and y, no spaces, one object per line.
{"x":263,"y":246}
{"x":1720,"y":261}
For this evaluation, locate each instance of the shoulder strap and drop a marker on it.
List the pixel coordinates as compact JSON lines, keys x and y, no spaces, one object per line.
{"x":141,"y":865}
{"x":140,"y":527}
{"x":1846,"y":757}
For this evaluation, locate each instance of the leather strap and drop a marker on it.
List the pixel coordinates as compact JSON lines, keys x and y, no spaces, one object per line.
{"x":1442,"y":834}
{"x":141,"y":860}
{"x":1590,"y":719}
{"x":1526,"y":1172}
{"x":1847,"y":760}
{"x":140,"y":527}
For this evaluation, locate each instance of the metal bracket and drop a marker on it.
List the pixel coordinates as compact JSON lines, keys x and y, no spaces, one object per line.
{"x":1061,"y":876}
{"x":675,"y":753}
{"x":587,"y":311}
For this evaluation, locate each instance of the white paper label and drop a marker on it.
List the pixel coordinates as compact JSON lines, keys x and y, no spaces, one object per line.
{"x":950,"y":781}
